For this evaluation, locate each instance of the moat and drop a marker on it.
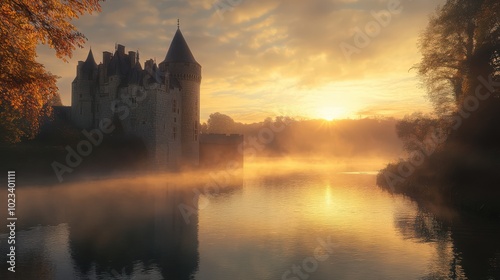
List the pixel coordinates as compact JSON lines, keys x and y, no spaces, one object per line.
{"x":284,"y":221}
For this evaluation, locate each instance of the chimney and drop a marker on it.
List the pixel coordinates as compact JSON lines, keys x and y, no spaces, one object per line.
{"x":106,"y":58}
{"x":133,"y":58}
{"x":148,"y":66}
{"x":121,"y":49}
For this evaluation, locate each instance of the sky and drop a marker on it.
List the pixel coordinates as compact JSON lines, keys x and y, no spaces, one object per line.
{"x":331,"y":59}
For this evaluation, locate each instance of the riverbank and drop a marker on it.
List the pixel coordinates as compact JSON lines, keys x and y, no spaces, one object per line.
{"x":462,"y":178}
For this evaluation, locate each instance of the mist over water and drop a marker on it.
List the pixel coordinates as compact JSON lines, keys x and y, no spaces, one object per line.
{"x":259,"y":223}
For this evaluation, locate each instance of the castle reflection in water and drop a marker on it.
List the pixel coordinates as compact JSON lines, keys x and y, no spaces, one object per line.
{"x":97,"y":232}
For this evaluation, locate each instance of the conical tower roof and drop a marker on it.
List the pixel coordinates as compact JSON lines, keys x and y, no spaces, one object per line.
{"x":179,"y":50}
{"x":89,"y":63}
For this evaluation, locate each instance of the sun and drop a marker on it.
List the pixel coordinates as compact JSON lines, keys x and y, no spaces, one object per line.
{"x":330,"y":113}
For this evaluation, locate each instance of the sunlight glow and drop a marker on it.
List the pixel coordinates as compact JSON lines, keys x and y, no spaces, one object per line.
{"x":328,"y":195}
{"x":329,"y":113}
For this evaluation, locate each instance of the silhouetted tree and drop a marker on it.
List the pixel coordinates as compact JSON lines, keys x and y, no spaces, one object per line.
{"x":460,"y":43}
{"x":220,"y":123}
{"x":25,"y":86}
{"x":204,"y":128}
{"x":416,"y":131}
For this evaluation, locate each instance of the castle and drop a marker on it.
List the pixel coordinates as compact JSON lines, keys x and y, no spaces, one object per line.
{"x":160,"y":104}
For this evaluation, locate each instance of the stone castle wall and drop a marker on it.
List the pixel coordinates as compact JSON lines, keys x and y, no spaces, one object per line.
{"x":163,"y":114}
{"x":189,"y":77}
{"x":82,"y":90}
{"x":173,"y":124}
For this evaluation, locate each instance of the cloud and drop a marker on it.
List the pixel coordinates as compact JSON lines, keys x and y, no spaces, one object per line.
{"x":259,"y":55}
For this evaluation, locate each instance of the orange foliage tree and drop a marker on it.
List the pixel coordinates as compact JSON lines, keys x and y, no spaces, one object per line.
{"x":26,"y":88}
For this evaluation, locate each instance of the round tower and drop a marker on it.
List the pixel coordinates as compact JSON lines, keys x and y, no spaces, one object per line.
{"x":181,"y":67}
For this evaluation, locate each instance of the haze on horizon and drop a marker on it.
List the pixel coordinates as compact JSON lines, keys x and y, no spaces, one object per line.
{"x":266,"y":58}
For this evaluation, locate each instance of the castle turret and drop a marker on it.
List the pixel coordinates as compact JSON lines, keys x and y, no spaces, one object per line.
{"x":182,"y":69}
{"x":83,"y":92}
{"x":89,"y":67}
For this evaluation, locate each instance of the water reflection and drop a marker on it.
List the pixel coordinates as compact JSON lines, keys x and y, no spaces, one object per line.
{"x":145,"y":228}
{"x":467,"y":247}
{"x":117,"y":229}
{"x":134,"y":229}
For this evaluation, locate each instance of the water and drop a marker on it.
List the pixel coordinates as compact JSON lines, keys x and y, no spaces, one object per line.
{"x":282,"y":221}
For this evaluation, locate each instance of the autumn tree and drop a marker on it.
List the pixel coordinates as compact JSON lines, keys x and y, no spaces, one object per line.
{"x":27,"y":89}
{"x":460,"y":44}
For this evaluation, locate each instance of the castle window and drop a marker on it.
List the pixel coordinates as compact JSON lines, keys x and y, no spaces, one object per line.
{"x":174,"y":105}
{"x":81,"y":95}
{"x":175,"y":120}
{"x":174,"y":132}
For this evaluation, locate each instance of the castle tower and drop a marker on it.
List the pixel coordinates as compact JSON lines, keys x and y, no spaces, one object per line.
{"x":83,"y":91}
{"x":181,"y":68}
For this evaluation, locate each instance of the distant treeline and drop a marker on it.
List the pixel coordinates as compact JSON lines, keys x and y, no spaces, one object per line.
{"x":286,"y":136}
